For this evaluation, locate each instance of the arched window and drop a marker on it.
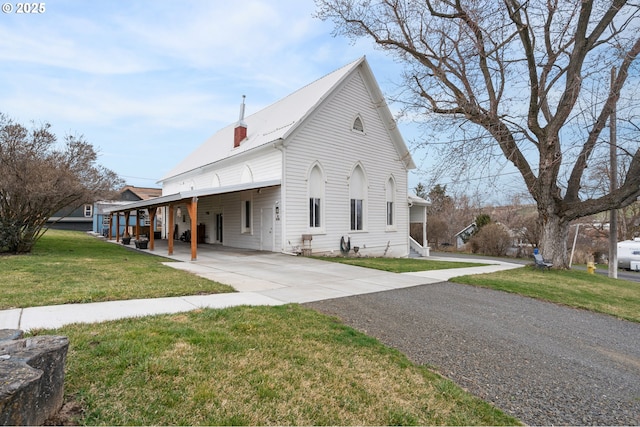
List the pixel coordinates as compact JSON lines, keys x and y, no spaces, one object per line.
{"x":391,"y":205}
{"x":316,"y":195}
{"x":357,"y":195}
{"x":247,"y":175}
{"x":358,"y":124}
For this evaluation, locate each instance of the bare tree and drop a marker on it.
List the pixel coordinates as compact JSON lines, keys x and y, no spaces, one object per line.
{"x":515,"y":79}
{"x":39,"y":177}
{"x":439,"y":214}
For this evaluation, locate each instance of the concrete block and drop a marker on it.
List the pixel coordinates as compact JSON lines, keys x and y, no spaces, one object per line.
{"x":10,"y":334}
{"x":31,"y":379}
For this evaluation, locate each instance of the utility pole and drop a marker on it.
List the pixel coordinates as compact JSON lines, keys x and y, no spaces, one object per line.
{"x":613,"y":216}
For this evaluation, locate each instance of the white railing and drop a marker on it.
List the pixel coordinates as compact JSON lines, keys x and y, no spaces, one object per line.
{"x":423,"y":251}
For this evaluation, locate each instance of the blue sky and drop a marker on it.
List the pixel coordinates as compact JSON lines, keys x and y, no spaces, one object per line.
{"x":146,"y":82}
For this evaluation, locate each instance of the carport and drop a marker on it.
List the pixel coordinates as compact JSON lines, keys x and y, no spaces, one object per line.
{"x":186,"y":198}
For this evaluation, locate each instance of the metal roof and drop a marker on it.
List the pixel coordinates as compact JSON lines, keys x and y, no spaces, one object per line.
{"x":279,"y":120}
{"x":183,"y":195}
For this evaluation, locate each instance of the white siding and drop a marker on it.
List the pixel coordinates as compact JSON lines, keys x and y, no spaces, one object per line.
{"x":329,"y":139}
{"x":230,"y":206}
{"x":265,"y":165}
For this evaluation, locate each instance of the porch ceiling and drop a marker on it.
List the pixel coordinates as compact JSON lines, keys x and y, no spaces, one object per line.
{"x":186,"y":195}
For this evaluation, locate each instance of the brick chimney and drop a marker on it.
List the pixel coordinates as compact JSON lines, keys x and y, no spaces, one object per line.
{"x":240,"y":132}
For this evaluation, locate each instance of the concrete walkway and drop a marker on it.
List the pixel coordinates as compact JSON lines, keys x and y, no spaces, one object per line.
{"x":261,"y":278}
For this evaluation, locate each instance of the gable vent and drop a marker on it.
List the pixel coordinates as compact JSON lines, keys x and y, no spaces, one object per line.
{"x":358,"y":126}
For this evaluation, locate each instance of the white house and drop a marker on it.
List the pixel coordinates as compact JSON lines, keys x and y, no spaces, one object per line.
{"x":321,"y":168}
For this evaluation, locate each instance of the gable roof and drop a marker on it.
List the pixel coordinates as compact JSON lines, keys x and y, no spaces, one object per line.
{"x":467,"y":229}
{"x":143,"y":193}
{"x":279,"y":120}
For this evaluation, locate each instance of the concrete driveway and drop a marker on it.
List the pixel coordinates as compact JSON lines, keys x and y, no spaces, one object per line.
{"x":296,"y":279}
{"x":261,"y":278}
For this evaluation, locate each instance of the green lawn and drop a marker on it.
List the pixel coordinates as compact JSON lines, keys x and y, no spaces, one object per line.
{"x":253,"y":365}
{"x":401,"y":265}
{"x":73,"y":267}
{"x":616,"y":297}
{"x":283,"y":365}
{"x":245,"y":365}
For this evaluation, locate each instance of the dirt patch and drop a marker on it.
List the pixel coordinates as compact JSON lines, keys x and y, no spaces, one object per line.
{"x":69,"y":415}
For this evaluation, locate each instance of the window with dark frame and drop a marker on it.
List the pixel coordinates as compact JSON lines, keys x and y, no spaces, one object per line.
{"x":390,"y":194}
{"x":314,"y":212}
{"x":356,"y":214}
{"x":247,"y":214}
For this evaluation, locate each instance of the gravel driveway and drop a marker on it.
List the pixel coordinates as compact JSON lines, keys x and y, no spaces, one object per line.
{"x":543,"y":363}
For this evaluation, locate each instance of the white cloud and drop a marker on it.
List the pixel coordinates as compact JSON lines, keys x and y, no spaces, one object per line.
{"x":138,"y":78}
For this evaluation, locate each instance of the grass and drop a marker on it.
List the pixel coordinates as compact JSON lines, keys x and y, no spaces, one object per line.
{"x":616,"y":297}
{"x":401,"y":265}
{"x":283,"y":365}
{"x":72,"y":267}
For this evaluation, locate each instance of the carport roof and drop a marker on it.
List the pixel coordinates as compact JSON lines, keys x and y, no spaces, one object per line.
{"x":184,"y":195}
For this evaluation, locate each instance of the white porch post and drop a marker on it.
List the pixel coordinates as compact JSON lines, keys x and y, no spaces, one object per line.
{"x":425,"y":243}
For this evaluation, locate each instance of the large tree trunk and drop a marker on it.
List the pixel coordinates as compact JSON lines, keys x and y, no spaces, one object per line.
{"x":553,"y":242}
{"x":470,"y":62}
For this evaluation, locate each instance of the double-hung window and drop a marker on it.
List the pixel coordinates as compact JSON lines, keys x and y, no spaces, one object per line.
{"x":314,"y":212}
{"x":391,"y":197}
{"x":316,"y":193}
{"x":356,"y":214}
{"x":357,"y":196}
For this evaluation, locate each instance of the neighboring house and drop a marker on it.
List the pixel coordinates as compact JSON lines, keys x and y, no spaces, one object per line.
{"x":128,"y":194}
{"x":134,"y":194}
{"x":78,"y":219}
{"x":463,"y":236}
{"x":323,"y":170}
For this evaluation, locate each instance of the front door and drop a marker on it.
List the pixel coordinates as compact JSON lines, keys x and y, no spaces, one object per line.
{"x":266,"y":227}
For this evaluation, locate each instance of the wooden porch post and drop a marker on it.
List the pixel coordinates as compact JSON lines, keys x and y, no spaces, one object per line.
{"x":127,"y":214}
{"x":118,"y":227}
{"x":152,"y":218}
{"x":138,"y":224}
{"x":192,"y":208}
{"x":110,"y":234}
{"x":170,"y":230}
